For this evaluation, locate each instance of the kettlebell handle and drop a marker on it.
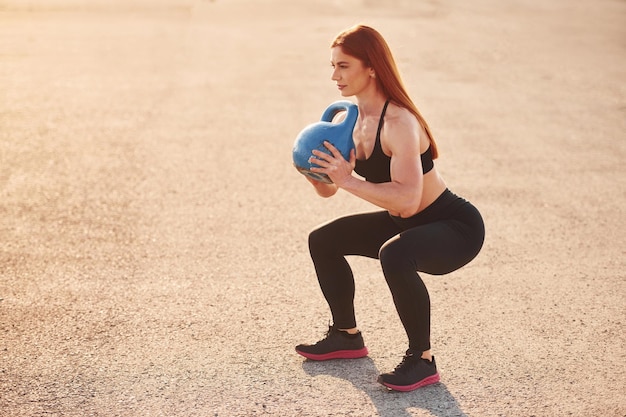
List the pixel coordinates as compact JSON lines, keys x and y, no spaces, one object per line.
{"x":344,"y":105}
{"x":313,"y":137}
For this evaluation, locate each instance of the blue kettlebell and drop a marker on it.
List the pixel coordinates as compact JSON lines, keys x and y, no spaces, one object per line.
{"x":314,"y":135}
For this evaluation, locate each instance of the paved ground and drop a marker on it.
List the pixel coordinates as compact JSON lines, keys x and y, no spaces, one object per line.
{"x":153,"y":253}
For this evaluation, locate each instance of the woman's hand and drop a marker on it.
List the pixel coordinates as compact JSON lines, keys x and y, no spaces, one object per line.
{"x":334,"y":164}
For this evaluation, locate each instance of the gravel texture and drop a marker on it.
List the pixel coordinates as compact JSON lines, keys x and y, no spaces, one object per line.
{"x":153,"y":257}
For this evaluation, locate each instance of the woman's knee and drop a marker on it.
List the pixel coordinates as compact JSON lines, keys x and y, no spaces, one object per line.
{"x":320,"y":238}
{"x":393,"y":256}
{"x":316,"y":234}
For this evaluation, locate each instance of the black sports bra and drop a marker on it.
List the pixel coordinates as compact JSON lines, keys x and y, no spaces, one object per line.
{"x":376,"y":167}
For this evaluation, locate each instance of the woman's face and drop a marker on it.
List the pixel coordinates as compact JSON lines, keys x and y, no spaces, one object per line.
{"x":351,"y":76}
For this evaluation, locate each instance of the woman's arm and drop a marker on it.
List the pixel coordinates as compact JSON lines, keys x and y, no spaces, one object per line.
{"x":323,"y":189}
{"x":402,"y":195}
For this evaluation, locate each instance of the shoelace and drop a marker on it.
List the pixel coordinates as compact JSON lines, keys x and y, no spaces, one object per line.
{"x":409,"y":357}
{"x":328,"y":332}
{"x":405,"y":360}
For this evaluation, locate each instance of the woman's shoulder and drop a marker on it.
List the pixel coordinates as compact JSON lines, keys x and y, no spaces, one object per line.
{"x":401,"y":129}
{"x":398,"y":117}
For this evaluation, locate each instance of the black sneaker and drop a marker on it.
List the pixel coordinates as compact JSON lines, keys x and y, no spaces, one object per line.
{"x":336,"y":345}
{"x":412,"y":373}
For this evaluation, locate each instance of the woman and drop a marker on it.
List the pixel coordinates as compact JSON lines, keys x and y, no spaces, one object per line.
{"x":422,"y":227}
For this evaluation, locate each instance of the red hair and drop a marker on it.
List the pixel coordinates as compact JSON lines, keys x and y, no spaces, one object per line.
{"x":367,"y":45}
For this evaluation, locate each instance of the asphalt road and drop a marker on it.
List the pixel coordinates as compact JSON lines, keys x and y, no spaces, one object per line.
{"x":153,"y":256}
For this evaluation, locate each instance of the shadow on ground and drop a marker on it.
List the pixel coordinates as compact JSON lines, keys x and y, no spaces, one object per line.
{"x":362,"y":373}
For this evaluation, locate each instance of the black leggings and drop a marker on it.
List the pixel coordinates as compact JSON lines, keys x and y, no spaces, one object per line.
{"x":440,"y":239}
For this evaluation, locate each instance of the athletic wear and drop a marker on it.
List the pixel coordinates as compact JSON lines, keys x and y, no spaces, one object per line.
{"x":412,"y":373}
{"x":336,"y":345}
{"x":440,"y":239}
{"x":427,"y":160}
{"x":376,"y":167}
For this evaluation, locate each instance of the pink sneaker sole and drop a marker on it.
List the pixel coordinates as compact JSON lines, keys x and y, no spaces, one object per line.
{"x":405,"y":388}
{"x":338,"y":354}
